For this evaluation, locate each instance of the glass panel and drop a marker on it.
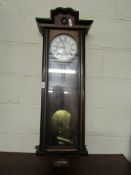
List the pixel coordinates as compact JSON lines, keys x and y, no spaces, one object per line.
{"x":63,"y":94}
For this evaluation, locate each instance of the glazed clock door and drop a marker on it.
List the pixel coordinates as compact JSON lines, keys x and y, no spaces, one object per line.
{"x":63,"y":90}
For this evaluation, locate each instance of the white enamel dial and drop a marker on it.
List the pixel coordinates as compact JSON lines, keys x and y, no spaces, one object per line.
{"x":63,"y":47}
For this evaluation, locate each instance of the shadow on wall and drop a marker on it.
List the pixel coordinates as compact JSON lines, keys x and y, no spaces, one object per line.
{"x":130,"y":142}
{"x":130,"y":147}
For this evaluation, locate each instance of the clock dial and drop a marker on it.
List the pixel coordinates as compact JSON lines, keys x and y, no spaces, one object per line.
{"x":63,"y":47}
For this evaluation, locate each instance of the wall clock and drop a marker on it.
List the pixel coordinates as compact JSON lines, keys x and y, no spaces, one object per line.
{"x":62,"y":126}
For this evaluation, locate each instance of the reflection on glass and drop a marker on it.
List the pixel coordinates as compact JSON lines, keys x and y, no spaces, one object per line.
{"x":62,"y":71}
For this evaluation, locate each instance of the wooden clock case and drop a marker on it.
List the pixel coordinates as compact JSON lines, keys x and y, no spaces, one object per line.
{"x":63,"y":20}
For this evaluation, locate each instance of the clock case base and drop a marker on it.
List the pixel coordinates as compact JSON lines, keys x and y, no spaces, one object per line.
{"x":40,"y":152}
{"x":57,"y":21}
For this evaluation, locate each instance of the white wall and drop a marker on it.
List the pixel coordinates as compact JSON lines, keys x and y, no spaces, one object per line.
{"x":108,"y":73}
